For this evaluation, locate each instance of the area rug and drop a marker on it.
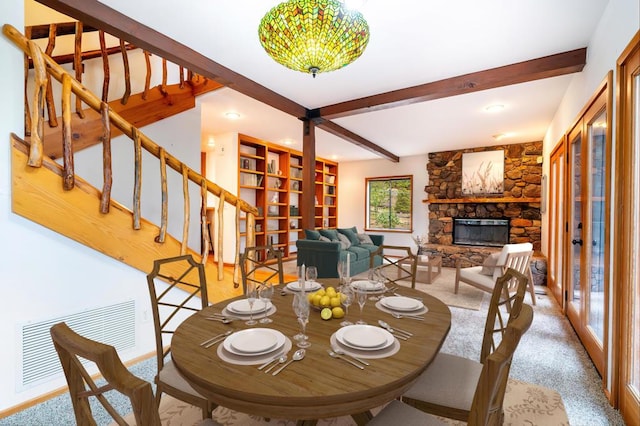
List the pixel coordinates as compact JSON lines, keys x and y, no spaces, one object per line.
{"x":524,"y":404}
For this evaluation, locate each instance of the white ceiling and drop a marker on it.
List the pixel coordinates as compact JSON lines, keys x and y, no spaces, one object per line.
{"x":412,"y":42}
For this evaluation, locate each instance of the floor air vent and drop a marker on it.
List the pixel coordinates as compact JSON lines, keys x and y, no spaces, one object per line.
{"x":113,"y":325}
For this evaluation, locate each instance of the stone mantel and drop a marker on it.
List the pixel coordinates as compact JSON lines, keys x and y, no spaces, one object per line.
{"x":481,"y":200}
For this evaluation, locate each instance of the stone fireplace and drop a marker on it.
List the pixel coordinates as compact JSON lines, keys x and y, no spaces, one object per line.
{"x":519,"y":205}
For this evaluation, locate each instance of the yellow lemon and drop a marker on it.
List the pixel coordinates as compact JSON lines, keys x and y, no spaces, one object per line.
{"x":337,"y":312}
{"x":310,"y":297}
{"x":316,"y":300}
{"x":335,"y":301}
{"x":342,"y":297}
{"x":326,"y":314}
{"x":321,"y":292}
{"x":330,"y":291}
{"x":325,"y":301}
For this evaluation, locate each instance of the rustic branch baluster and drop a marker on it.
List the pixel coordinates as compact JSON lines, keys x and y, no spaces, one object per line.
{"x":147,"y":79}
{"x":105,"y":198}
{"x":68,"y":179}
{"x":51,"y":107}
{"x":187,"y":209}
{"x":137,"y":185}
{"x":37,"y":119}
{"x":203,"y":220}
{"x":27,"y":112}
{"x":181,"y":77}
{"x":127,"y":73}
{"x":236,"y":262}
{"x":163,"y":85}
{"x":77,"y":64}
{"x":165,"y":197}
{"x":105,"y":67}
{"x":220,"y":231}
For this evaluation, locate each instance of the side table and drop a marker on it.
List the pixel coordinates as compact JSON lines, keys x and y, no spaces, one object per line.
{"x":433,"y":264}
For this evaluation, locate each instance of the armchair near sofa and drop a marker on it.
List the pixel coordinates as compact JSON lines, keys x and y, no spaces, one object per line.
{"x":324,"y":248}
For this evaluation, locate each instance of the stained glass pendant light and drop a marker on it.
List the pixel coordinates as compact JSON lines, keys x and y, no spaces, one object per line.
{"x":313,"y":35}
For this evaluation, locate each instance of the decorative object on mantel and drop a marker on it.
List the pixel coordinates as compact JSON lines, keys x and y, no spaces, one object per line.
{"x":483,"y":173}
{"x":313,"y":35}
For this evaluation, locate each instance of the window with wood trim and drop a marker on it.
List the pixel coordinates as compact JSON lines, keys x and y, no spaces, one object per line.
{"x":389,"y":204}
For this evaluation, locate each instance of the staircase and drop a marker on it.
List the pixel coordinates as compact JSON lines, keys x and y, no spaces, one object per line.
{"x":50,"y":193}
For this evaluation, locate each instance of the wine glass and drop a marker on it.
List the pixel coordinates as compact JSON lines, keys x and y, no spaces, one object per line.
{"x":252,"y":295}
{"x":341,"y":271}
{"x":376,"y":276}
{"x":361,"y":298}
{"x":347,"y":300}
{"x":266,"y":292}
{"x":312,"y":274}
{"x":301,"y":309}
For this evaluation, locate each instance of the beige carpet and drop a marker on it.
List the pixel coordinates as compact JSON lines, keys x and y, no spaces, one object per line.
{"x":524,"y":404}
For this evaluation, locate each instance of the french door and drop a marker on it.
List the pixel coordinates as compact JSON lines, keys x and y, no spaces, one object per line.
{"x":589,"y":145}
{"x":627,"y":250}
{"x":556,"y":222}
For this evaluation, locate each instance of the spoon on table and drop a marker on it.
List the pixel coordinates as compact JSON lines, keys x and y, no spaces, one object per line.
{"x":221,"y":319}
{"x":333,"y":354}
{"x":341,"y":352}
{"x":297,"y":356}
{"x":399,"y":334}
{"x":281,"y":360}
{"x":399,"y":316}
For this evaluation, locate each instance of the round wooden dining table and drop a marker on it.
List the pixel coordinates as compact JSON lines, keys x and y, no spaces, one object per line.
{"x":318,"y":386}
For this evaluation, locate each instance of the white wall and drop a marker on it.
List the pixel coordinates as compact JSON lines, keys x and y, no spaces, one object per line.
{"x":352,"y":193}
{"x":46,"y":275}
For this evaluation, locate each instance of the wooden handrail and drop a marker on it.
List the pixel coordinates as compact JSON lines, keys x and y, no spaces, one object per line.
{"x":46,"y":65}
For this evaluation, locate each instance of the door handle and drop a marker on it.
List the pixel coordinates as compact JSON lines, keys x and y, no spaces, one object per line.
{"x":574,"y":242}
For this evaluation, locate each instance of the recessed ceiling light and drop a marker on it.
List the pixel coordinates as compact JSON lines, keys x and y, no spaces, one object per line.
{"x":211,"y":142}
{"x":232,"y":115}
{"x":334,"y":157}
{"x":494,"y":108}
{"x":288,"y":141}
{"x":501,"y":136}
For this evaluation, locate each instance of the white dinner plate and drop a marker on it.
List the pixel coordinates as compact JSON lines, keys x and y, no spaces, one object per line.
{"x":309,"y":286}
{"x":402,"y":304}
{"x":254,"y":341}
{"x":364,"y":337}
{"x":241,"y":306}
{"x":365,"y":285}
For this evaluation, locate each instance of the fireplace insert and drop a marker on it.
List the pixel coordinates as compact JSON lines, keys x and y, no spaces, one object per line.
{"x":481,"y":232}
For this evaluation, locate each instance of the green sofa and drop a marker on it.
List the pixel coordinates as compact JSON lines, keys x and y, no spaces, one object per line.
{"x":323,"y":248}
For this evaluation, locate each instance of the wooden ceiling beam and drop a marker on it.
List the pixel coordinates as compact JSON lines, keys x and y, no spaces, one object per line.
{"x":98,"y":15}
{"x":521,"y":72}
{"x":348,"y":135}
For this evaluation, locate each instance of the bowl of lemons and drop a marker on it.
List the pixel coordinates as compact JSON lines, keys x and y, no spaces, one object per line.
{"x":328,"y":301}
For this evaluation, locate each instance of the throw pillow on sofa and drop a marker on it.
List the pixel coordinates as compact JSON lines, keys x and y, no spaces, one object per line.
{"x":351,"y":234}
{"x":364,"y":239}
{"x":344,"y":241}
{"x":311,"y":234}
{"x":331,"y":234}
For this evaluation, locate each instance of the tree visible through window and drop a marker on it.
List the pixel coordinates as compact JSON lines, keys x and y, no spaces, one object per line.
{"x":389,"y":203}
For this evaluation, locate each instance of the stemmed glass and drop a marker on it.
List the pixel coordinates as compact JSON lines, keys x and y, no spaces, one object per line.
{"x":266,"y":292}
{"x":361,"y":298}
{"x":312,"y":274}
{"x":347,"y":299}
{"x":252,"y":295}
{"x":301,"y":309}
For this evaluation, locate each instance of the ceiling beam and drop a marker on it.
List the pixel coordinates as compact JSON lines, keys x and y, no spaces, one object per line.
{"x":348,"y":135}
{"x":521,"y":72}
{"x":98,"y":15}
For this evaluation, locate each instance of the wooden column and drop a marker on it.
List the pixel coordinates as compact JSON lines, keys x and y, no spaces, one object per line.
{"x":307,"y":205}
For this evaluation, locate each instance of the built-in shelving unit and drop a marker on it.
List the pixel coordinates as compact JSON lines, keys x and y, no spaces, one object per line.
{"x":270,"y":177}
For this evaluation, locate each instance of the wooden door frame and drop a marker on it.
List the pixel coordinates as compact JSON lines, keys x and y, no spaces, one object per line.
{"x":557,"y":216}
{"x":625,"y":224}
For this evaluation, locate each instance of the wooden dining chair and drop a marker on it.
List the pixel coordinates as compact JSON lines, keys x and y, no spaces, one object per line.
{"x":398,"y":263}
{"x":73,"y":351}
{"x":448,"y":385}
{"x":261,"y":264}
{"x":485,"y":405}
{"x":177,"y":287}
